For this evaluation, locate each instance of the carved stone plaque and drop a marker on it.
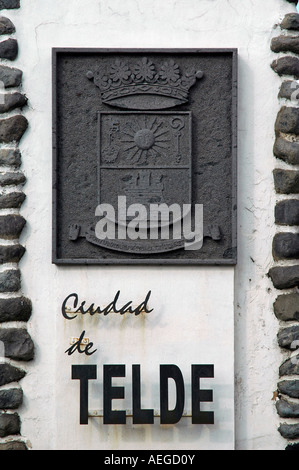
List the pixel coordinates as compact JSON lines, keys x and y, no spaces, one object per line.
{"x":144,"y":156}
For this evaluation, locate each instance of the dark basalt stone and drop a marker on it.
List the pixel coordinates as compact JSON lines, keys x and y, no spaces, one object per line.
{"x":286,"y":409}
{"x":9,"y":424}
{"x":11,"y":4}
{"x":285,"y":181}
{"x":12,"y":200}
{"x":11,"y":398}
{"x":289,"y":90}
{"x":9,"y":157}
{"x":287,"y":151}
{"x":12,"y":129}
{"x":11,"y":253}
{"x":15,"y":309}
{"x":12,"y":101}
{"x":288,"y":120}
{"x":289,"y":337}
{"x":290,"y":366}
{"x":289,"y":431}
{"x":284,"y":277}
{"x":286,"y":212}
{"x":9,"y":49}
{"x":13,"y":445}
{"x":11,"y":226}
{"x":289,"y":387}
{"x":288,"y":65}
{"x":6,"y":26}
{"x":18,"y":344}
{"x":10,"y":280}
{"x":9,"y":373}
{"x":286,"y":307}
{"x":286,"y":245}
{"x":10,"y":77}
{"x":12,"y":178}
{"x":290,"y":21}
{"x":285,"y":44}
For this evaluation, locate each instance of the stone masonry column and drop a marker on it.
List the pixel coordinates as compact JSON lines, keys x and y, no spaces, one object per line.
{"x":16,"y":346}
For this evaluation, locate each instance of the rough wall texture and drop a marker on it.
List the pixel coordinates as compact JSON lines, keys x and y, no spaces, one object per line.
{"x":285,"y":272}
{"x":15,"y":342}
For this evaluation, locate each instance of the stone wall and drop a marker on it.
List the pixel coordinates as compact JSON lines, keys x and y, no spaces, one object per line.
{"x":285,"y":271}
{"x":15,"y":310}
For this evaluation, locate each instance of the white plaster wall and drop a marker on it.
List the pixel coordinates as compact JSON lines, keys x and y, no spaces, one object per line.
{"x":246,"y":25}
{"x":189,"y":324}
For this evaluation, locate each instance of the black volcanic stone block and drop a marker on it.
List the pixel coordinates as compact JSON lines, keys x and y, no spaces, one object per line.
{"x":286,"y":181}
{"x":288,"y":65}
{"x":15,"y":309}
{"x":11,"y":4}
{"x":286,"y":245}
{"x":285,"y":277}
{"x":9,"y":424}
{"x":286,"y":150}
{"x":18,"y":344}
{"x":286,"y":307}
{"x":290,"y":21}
{"x":286,"y":212}
{"x":9,"y":373}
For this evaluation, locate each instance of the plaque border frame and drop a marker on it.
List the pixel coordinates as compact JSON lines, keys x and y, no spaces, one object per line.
{"x":234,"y":123}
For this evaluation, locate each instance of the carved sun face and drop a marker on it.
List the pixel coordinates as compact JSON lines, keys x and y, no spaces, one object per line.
{"x":146,"y":138}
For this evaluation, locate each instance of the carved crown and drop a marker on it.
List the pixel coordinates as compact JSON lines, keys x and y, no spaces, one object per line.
{"x":142,"y":86}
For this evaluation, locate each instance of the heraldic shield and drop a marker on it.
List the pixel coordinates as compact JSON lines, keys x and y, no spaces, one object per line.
{"x":147,"y":155}
{"x":147,"y":158}
{"x":148,"y":132}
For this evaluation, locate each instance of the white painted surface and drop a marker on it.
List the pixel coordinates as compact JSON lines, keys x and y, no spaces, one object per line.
{"x":189,"y":324}
{"x":245,"y":25}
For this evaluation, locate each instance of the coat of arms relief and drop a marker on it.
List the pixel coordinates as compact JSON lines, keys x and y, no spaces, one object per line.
{"x":147,"y":109}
